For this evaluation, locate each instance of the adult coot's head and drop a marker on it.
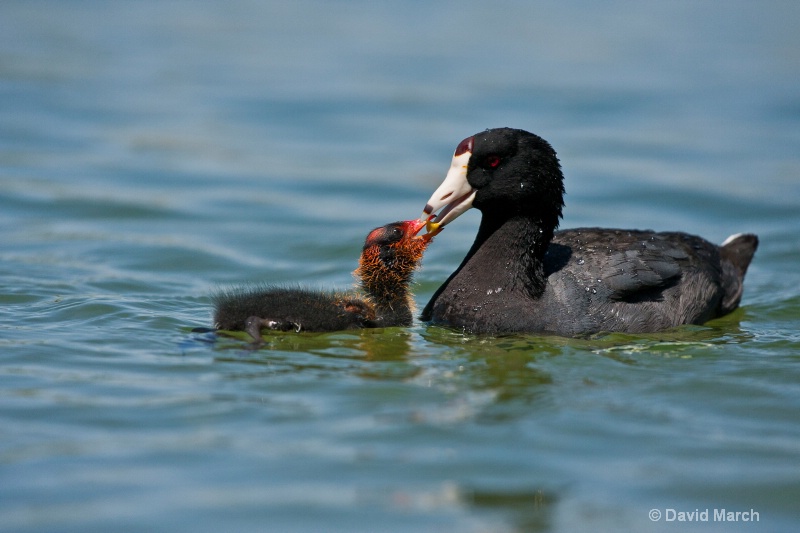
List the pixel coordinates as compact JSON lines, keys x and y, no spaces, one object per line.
{"x":504,"y":173}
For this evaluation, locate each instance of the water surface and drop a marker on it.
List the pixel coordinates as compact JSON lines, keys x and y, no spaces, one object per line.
{"x":152,"y":152}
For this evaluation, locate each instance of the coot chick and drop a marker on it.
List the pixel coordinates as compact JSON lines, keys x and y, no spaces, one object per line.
{"x":522,"y":276}
{"x":391,"y":254}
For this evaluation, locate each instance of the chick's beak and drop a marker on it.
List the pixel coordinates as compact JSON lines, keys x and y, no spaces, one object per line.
{"x":415,"y":226}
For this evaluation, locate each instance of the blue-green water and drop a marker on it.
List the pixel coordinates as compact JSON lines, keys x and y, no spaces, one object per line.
{"x":151,"y":152}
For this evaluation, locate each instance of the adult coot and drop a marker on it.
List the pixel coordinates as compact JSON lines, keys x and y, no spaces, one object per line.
{"x":391,"y":254}
{"x":522,"y":276}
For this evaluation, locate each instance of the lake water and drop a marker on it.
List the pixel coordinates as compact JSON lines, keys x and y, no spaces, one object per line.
{"x":151,"y":152}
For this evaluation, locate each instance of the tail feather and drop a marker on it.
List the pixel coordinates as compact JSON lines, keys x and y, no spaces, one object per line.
{"x":736,"y":254}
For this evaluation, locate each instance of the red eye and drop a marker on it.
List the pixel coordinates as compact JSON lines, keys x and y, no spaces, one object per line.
{"x":493,"y":161}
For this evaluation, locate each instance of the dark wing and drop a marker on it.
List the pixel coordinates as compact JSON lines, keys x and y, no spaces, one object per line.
{"x":641,"y":272}
{"x":626,"y":265}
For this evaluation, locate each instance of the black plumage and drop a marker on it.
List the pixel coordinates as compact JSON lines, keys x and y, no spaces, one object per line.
{"x":522,"y":276}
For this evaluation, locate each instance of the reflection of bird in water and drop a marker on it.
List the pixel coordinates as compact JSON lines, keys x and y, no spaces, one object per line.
{"x":391,"y":254}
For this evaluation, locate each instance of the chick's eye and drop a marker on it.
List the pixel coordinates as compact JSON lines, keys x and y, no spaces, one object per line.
{"x":492,"y":161}
{"x":395,"y":235}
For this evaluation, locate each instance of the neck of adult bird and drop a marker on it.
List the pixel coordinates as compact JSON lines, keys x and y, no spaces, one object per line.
{"x":508,"y":254}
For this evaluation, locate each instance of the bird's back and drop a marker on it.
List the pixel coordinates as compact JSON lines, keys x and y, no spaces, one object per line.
{"x":639,"y":281}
